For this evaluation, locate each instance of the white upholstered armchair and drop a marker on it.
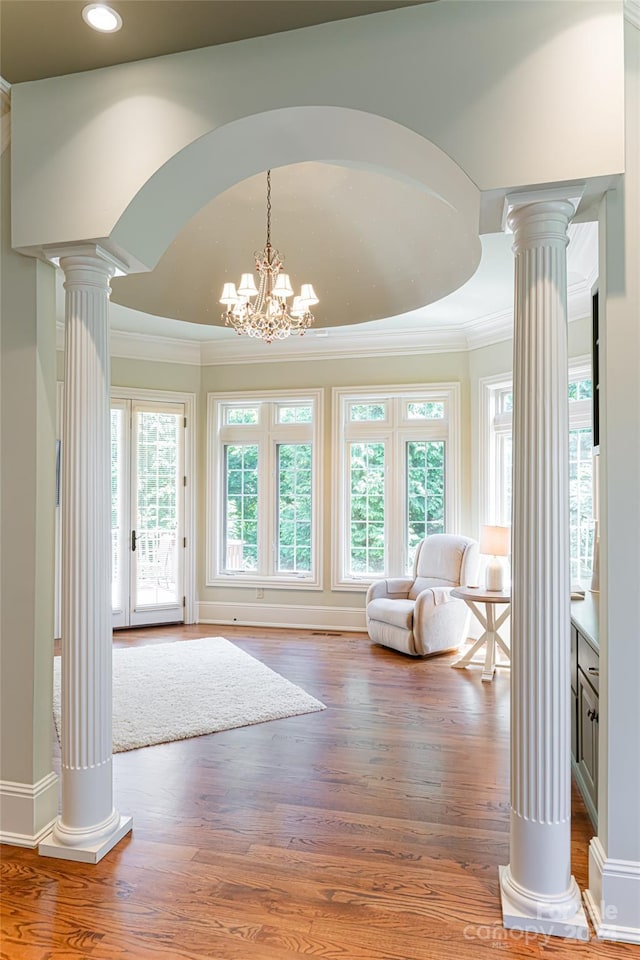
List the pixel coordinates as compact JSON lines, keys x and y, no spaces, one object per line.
{"x":417,"y":615}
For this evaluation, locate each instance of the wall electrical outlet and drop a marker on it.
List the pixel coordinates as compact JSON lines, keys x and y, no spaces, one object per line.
{"x":260,"y":593}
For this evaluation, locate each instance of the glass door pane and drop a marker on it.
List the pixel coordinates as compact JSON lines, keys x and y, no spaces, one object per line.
{"x":119,"y":513}
{"x":157,"y":496}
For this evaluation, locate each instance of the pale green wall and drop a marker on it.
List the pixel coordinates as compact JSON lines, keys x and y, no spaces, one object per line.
{"x":147,"y":374}
{"x":27,"y":465}
{"x":498,"y":358}
{"x":152,"y":375}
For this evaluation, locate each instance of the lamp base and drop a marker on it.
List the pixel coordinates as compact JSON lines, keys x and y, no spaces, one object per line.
{"x":494,"y":575}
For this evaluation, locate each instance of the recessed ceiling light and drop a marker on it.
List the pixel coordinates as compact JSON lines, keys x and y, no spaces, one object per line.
{"x":102,"y":18}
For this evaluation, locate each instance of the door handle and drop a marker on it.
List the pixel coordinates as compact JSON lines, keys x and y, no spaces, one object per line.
{"x":133,"y":541}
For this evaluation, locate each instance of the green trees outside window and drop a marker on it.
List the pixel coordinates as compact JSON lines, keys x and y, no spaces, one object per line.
{"x":580,"y":503}
{"x":425,"y":491}
{"x":367,"y":507}
{"x":294,"y":506}
{"x":241,"y":502}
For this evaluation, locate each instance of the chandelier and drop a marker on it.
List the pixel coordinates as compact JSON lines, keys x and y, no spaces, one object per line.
{"x":263,"y":311}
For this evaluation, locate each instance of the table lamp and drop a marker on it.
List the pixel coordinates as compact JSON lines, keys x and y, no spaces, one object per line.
{"x":494,"y":542}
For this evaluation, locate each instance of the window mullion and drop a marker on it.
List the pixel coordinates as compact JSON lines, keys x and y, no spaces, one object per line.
{"x":268,"y":502}
{"x":394,"y":507}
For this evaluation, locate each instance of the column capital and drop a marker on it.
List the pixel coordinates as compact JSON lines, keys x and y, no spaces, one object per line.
{"x":543,"y":223}
{"x":570,"y":192}
{"x":92,"y":253}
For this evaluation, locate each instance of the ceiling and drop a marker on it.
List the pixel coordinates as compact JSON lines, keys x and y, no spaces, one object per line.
{"x":379,"y":253}
{"x":48,"y":38}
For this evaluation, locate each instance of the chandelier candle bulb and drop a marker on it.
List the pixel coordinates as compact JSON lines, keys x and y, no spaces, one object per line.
{"x":262,"y":312}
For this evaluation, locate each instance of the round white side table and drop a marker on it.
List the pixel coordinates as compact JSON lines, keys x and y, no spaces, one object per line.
{"x":473,"y":596}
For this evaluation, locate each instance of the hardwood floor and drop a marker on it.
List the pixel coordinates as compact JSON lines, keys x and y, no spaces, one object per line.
{"x":370,"y":831}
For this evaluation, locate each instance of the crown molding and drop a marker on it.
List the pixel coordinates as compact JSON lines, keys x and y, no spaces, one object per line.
{"x":143,"y":346}
{"x":336,"y":345}
{"x":632,"y":12}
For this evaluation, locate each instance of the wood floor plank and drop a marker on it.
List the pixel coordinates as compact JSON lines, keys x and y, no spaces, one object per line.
{"x":370,"y":831}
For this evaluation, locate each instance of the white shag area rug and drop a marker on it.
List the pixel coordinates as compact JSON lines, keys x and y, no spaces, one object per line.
{"x":171,"y":691}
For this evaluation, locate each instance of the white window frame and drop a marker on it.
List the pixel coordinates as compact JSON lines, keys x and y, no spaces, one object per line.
{"x":495,"y":425}
{"x":394,"y":432}
{"x":266,"y":434}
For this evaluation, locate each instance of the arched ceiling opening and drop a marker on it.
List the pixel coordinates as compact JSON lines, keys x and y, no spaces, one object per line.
{"x":372,"y":245}
{"x":379,"y":219}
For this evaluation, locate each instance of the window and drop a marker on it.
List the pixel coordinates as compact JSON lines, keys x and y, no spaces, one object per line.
{"x":396,"y":477}
{"x":264,"y":488}
{"x":498,"y":470}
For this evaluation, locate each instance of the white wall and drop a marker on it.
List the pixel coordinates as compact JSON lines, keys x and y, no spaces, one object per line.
{"x":614,"y":865}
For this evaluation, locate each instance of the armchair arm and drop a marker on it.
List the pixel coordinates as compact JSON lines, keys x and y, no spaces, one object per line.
{"x":439,"y":621}
{"x":429,"y":599}
{"x":392,"y":589}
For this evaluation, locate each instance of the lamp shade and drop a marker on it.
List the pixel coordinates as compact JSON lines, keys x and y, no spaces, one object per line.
{"x":308,"y":294}
{"x":298,"y":307}
{"x":229,"y":295}
{"x":282,"y":286}
{"x":247,"y":286}
{"x":495,"y":541}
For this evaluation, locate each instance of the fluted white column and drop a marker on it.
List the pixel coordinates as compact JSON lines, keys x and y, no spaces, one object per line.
{"x":88,"y":825}
{"x":538,"y":891}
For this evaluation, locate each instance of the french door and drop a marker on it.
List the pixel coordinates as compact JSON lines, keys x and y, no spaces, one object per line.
{"x":147,"y":512}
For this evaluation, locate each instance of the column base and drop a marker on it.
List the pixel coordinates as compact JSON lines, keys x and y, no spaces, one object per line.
{"x":514,"y":917}
{"x":85,"y":853}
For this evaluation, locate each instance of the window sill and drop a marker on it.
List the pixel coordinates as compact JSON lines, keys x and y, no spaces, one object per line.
{"x":265,"y":583}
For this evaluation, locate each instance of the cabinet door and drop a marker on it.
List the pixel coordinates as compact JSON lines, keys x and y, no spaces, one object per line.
{"x":588,"y":736}
{"x":574,"y":693}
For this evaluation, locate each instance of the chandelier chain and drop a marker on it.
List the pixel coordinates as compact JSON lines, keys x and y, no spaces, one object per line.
{"x":268,"y":208}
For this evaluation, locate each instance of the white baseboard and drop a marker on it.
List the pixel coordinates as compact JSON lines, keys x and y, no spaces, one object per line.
{"x":283,"y":615}
{"x":27,"y":810}
{"x":613,"y":897}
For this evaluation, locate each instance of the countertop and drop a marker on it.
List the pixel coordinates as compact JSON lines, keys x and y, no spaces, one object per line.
{"x":584,"y":616}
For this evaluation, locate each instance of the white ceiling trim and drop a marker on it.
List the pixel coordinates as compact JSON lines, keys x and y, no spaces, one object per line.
{"x":338,"y":345}
{"x":143,"y":346}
